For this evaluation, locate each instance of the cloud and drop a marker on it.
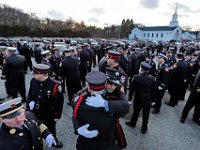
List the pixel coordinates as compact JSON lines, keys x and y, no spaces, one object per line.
{"x":97,"y":11}
{"x":184,"y":8}
{"x":93,"y":20}
{"x":149,"y":4}
{"x":54,"y":14}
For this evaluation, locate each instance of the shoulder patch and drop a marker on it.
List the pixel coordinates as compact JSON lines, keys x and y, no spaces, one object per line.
{"x":123,"y":78}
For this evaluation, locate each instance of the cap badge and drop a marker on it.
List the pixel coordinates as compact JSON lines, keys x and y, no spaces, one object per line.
{"x":12,"y":105}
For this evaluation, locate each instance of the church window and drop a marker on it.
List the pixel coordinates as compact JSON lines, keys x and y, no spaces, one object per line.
{"x":152,"y":34}
{"x":157,"y":35}
{"x":161,"y":35}
{"x":148,"y":35}
{"x":144,"y":34}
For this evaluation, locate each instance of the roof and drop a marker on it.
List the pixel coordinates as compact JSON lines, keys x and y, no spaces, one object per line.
{"x":194,"y":32}
{"x":158,"y":28}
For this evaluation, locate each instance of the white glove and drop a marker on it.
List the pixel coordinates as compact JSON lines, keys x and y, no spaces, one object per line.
{"x":95,"y":101}
{"x":32,"y":105}
{"x":83,"y":130}
{"x":50,"y":140}
{"x":160,"y":88}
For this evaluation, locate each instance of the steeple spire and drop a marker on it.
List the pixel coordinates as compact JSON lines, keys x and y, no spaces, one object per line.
{"x":176,"y":9}
{"x":174,"y":21}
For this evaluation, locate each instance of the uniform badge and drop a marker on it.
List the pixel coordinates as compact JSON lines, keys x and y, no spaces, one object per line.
{"x":59,"y":88}
{"x":12,"y":131}
{"x":48,"y":93}
{"x":117,"y":73}
{"x":21,"y":134}
{"x":123,"y":78}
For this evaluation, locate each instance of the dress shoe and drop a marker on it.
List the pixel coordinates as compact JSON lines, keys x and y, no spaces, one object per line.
{"x":130,"y":124}
{"x":155,"y":112}
{"x":144,"y":130}
{"x":182,"y":120}
{"x":197,"y":121}
{"x":167,"y":103}
{"x":58,"y":144}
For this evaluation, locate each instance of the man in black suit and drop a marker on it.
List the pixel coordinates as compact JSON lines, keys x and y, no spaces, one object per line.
{"x":14,"y":71}
{"x":193,"y":100}
{"x":177,"y":80}
{"x":69,"y":70}
{"x":144,"y":87}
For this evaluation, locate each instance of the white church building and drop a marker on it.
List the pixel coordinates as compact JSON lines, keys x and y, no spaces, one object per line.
{"x":162,"y":33}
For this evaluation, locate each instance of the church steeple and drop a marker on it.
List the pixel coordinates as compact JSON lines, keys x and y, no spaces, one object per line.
{"x":174,"y":21}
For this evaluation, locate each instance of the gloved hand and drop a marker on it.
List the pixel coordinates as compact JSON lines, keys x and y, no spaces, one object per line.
{"x":160,"y":88}
{"x":95,"y":101}
{"x":55,"y":120}
{"x":83,"y":130}
{"x":50,"y":140}
{"x":32,"y":105}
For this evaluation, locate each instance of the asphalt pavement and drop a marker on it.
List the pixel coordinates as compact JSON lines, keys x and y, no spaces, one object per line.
{"x":165,"y":132}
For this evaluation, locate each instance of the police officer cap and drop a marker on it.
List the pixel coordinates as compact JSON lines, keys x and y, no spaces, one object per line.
{"x":171,"y":48}
{"x":138,"y":49}
{"x":195,"y":54}
{"x":113,"y":76}
{"x":40,"y":69}
{"x":84,"y":45}
{"x":25,"y":42}
{"x":11,"y":108}
{"x":114,"y":54}
{"x":69,"y":49}
{"x":96,"y":80}
{"x":45,"y":52}
{"x":3,"y":48}
{"x":162,"y":56}
{"x":145,"y":65}
{"x":11,"y":49}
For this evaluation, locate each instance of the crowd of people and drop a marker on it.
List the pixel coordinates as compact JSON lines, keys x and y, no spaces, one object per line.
{"x":137,"y":75}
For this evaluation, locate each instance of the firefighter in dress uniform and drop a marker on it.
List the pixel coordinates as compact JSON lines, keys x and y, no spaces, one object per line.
{"x":45,"y":98}
{"x":21,"y":129}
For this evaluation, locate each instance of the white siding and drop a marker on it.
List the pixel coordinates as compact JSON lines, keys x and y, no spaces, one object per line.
{"x":156,"y":35}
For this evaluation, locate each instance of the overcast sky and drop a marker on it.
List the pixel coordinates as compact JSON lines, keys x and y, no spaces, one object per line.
{"x":102,"y":12}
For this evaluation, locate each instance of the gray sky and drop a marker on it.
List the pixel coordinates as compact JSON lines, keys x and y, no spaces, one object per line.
{"x":102,"y":12}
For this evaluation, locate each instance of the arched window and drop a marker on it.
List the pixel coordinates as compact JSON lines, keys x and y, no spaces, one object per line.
{"x":157,"y":35}
{"x":161,"y":35}
{"x":152,"y":34}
